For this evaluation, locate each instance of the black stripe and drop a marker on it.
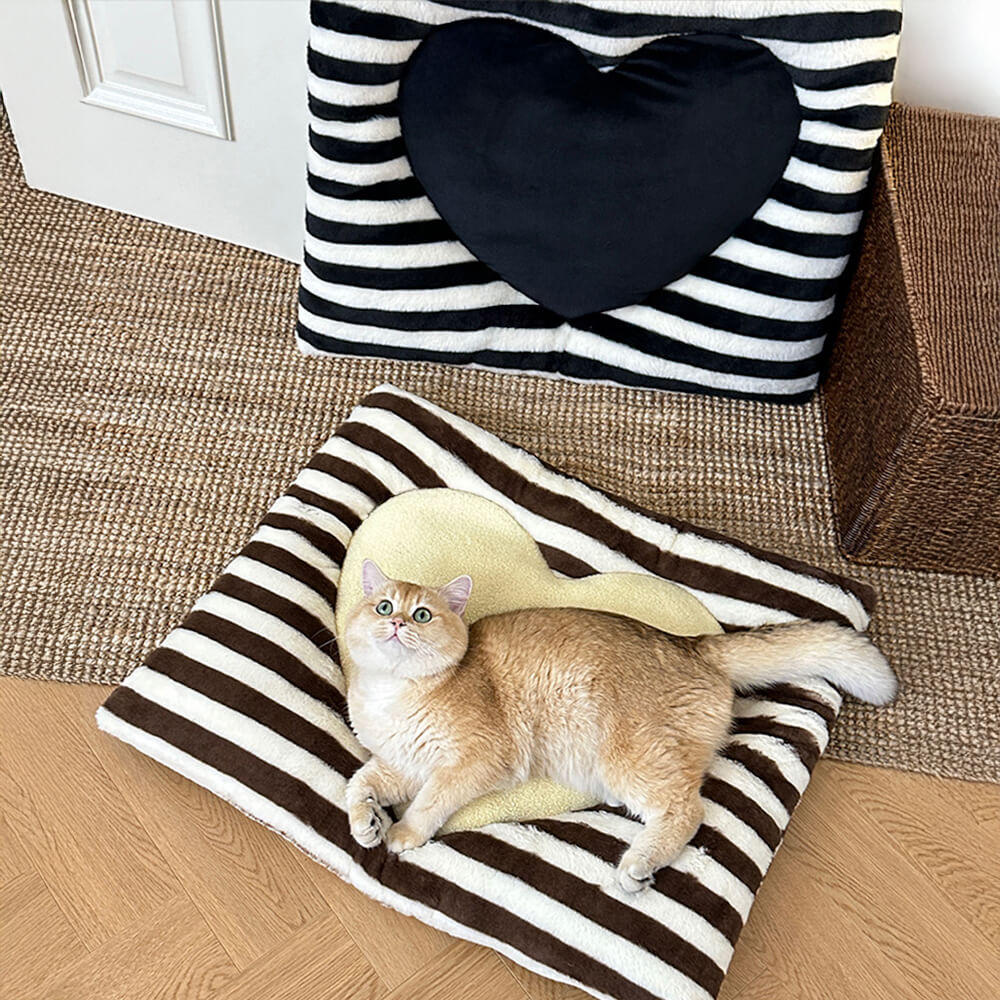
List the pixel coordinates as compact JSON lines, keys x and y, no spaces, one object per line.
{"x":345,"y":151}
{"x":550,"y":361}
{"x":808,"y":198}
{"x":409,"y":233}
{"x":789,"y":694}
{"x":347,"y":71}
{"x":833,"y":157}
{"x":807,"y":244}
{"x":286,"y":562}
{"x":331,"y":546}
{"x":373,"y":440}
{"x":390,"y":278}
{"x":330,"y":822}
{"x":678,"y":885}
{"x":766,"y":770}
{"x":818,"y":27}
{"x":361,"y":479}
{"x":663,"y":346}
{"x":398,"y":190}
{"x":351,"y":21}
{"x":267,"y":653}
{"x":293,"y":615}
{"x":328,"y":112}
{"x":592,"y":903}
{"x":729,"y":272}
{"x":530,"y":317}
{"x":724,"y":852}
{"x":800,"y":740}
{"x":341,"y":511}
{"x":746,"y":324}
{"x":743,"y":808}
{"x":861,"y":116}
{"x":857,"y":75}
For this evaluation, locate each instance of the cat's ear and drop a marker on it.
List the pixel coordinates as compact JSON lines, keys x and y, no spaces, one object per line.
{"x":372,"y":578}
{"x":457,"y":592}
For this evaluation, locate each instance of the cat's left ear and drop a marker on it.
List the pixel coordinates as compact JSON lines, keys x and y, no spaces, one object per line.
{"x":457,"y":592}
{"x":372,"y":578}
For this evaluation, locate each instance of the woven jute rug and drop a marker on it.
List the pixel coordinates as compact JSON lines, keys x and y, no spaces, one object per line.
{"x":154,"y":404}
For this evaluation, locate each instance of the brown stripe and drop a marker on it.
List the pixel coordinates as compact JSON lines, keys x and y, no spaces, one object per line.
{"x":563,"y":562}
{"x":567,"y":511}
{"x":727,"y":854}
{"x":788,"y":694}
{"x":248,"y":701}
{"x":339,"y":510}
{"x":352,"y":475}
{"x":589,"y":901}
{"x":680,"y":886}
{"x":766,"y":770}
{"x":268,"y":654}
{"x":292,"y":614}
{"x":419,"y":473}
{"x":743,"y":808}
{"x":287,"y":562}
{"x":330,"y":822}
{"x":800,"y":740}
{"x":330,"y":545}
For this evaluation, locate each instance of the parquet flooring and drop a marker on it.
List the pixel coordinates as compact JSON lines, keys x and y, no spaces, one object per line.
{"x":120,"y":880}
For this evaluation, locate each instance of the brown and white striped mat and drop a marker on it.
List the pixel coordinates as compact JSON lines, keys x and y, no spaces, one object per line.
{"x":246,"y":698}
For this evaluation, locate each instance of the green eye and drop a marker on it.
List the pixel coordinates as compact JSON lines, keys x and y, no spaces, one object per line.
{"x":421,"y":616}
{"x":383,"y":608}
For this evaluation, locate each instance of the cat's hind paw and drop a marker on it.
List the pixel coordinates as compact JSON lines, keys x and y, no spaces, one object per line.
{"x":402,"y":837}
{"x":368,"y":823}
{"x":635,"y":873}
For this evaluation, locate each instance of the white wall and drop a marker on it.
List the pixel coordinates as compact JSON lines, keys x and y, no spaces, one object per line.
{"x":949,"y":55}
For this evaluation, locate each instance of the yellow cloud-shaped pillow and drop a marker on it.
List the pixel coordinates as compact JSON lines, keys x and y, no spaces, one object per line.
{"x":432,"y":536}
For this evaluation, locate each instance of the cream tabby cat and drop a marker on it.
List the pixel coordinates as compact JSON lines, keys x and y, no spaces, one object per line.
{"x":595,"y":701}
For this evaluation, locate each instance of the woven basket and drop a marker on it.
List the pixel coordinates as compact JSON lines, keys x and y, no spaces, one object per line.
{"x":912,"y":403}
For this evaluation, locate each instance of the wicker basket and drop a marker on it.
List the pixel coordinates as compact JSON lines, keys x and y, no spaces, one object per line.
{"x":912,"y":402}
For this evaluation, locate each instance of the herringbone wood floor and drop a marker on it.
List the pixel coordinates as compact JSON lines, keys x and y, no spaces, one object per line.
{"x":120,"y":880}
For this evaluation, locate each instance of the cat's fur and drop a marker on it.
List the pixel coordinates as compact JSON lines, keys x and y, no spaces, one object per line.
{"x":596,"y":701}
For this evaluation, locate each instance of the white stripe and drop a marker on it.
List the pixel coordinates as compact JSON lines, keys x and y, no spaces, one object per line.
{"x":277,"y":631}
{"x":388,"y":256}
{"x":798,"y":220}
{"x":666,"y":910}
{"x":733,"y":8}
{"x":738,"y":833}
{"x":753,"y":303}
{"x":840,"y":54}
{"x":285,"y":586}
{"x":352,"y":95}
{"x":780,"y":753}
{"x":564,"y":338}
{"x":373,"y":130}
{"x":823,"y":178}
{"x":369,"y":213}
{"x":876,"y":94}
{"x":214,"y":654}
{"x":326,"y":522}
{"x":791,"y":715}
{"x":291,"y":541}
{"x":335,"y":489}
{"x":720,"y":341}
{"x":792,"y":265}
{"x":361,"y":48}
{"x":561,"y":921}
{"x":752,"y":787}
{"x":828,"y":134}
{"x":450,"y":298}
{"x":305,"y":837}
{"x":357,"y":173}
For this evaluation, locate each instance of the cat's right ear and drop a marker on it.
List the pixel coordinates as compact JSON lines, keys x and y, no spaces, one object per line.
{"x":372,"y":578}
{"x":457,"y":592}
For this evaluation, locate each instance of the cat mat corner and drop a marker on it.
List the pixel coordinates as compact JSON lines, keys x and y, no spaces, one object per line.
{"x":246,"y":698}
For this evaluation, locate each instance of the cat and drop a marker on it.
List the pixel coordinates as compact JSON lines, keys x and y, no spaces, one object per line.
{"x":594,"y":700}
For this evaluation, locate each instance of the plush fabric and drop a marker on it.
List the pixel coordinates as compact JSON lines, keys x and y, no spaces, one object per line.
{"x":662,"y":194}
{"x":245,"y":697}
{"x":435,"y":535}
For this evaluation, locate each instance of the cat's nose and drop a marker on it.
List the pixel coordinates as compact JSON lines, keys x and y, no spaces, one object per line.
{"x":396,"y":621}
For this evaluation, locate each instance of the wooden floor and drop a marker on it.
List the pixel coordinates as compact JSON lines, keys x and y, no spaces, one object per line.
{"x":119,"y":880}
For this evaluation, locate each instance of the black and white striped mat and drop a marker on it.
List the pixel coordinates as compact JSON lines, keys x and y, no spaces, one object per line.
{"x":246,"y":698}
{"x":384,"y":275}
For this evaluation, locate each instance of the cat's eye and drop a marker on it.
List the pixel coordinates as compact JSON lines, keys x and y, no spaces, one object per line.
{"x":383,"y":608}
{"x":421,"y":616}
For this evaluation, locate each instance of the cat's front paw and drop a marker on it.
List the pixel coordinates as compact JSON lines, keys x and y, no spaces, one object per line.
{"x":635,"y":872}
{"x":368,"y":823}
{"x":402,"y":837}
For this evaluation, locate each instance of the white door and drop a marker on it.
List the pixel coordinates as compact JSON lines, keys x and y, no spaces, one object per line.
{"x":189,"y":112}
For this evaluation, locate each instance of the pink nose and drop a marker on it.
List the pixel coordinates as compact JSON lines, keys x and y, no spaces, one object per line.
{"x":397,"y":621}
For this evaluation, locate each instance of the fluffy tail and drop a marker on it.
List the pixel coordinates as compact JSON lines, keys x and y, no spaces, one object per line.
{"x":800,"y":650}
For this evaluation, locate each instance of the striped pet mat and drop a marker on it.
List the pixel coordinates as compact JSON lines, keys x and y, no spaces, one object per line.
{"x":246,"y":698}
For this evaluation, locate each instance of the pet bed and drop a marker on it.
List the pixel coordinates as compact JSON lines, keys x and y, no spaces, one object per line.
{"x":246,"y":698}
{"x":662,"y":194}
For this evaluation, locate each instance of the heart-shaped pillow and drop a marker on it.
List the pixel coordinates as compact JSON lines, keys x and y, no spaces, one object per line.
{"x":588,"y":190}
{"x":431,"y":536}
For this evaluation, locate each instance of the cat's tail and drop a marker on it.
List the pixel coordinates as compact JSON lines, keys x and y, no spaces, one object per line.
{"x":800,"y":650}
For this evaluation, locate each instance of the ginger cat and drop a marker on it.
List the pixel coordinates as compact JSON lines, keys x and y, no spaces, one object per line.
{"x":593,"y":700}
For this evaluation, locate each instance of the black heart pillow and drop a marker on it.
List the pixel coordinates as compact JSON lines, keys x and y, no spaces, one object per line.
{"x":588,"y":190}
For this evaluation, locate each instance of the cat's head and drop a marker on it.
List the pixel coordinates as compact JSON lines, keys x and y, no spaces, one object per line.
{"x":407,"y":629}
